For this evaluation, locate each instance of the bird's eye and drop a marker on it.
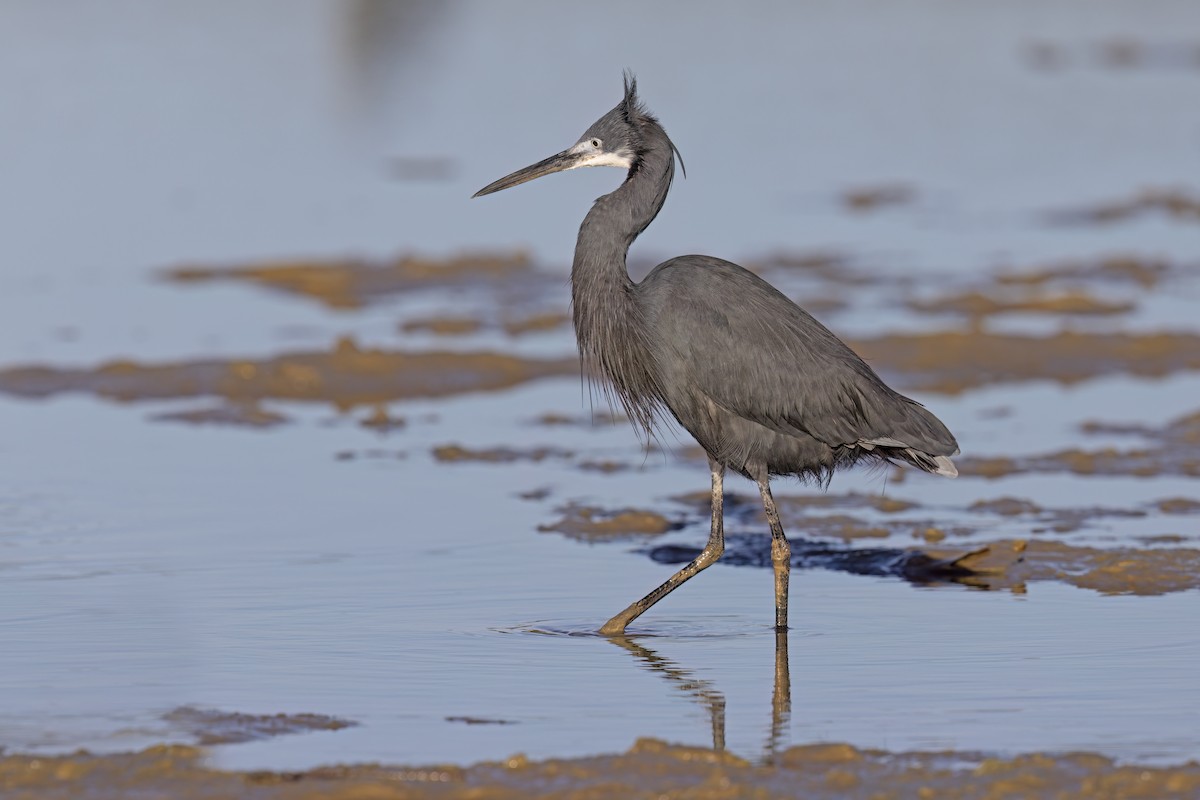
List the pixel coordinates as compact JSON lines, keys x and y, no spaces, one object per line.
{"x":595,"y":143}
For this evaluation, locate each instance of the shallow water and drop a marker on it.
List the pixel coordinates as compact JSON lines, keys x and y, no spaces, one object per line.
{"x":320,"y":566}
{"x":150,"y":566}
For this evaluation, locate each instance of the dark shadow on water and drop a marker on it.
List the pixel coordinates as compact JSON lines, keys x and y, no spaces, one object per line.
{"x":980,"y":568}
{"x":752,"y":550}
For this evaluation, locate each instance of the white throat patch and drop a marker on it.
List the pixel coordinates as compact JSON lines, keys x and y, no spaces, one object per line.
{"x":601,"y":158}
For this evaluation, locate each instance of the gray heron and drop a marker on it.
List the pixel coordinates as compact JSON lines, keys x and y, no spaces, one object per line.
{"x":763,"y":387}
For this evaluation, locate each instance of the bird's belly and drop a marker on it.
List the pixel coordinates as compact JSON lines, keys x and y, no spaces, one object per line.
{"x":752,"y":449}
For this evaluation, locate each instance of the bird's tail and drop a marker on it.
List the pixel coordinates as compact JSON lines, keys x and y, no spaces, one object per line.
{"x":917,"y":437}
{"x":894,"y":449}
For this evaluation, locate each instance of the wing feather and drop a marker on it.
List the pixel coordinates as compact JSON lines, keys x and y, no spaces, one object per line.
{"x":732,"y":336}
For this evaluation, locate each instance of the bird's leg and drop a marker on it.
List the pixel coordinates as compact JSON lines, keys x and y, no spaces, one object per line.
{"x":781,"y":555}
{"x":708,"y":556}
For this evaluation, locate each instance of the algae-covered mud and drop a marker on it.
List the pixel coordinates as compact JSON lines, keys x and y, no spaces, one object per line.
{"x":352,"y":284}
{"x":346,"y":375}
{"x":210,"y":726}
{"x":302,"y":493}
{"x":649,"y":769}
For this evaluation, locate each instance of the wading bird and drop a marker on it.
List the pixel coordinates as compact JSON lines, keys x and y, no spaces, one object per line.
{"x":762,"y":386}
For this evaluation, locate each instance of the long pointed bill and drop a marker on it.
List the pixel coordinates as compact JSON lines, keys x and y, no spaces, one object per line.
{"x":555,"y":163}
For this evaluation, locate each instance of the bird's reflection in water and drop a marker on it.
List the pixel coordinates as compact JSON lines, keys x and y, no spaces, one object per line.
{"x":713,"y":700}
{"x":781,"y":699}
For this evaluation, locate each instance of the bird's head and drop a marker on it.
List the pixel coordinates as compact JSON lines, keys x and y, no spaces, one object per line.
{"x":617,"y":139}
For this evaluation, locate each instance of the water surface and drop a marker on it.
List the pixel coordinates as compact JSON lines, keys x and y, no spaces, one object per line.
{"x":147,"y":566}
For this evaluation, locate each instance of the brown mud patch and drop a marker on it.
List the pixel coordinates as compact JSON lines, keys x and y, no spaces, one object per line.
{"x":649,"y":770}
{"x":828,"y":266}
{"x":370,"y":453}
{"x":210,"y":726}
{"x":345,"y":376}
{"x":976,"y":304}
{"x":352,"y":284}
{"x":1117,"y":54}
{"x":1006,"y":506}
{"x":923,"y":566}
{"x":443,"y":326}
{"x":873,"y":198}
{"x":1145,"y":272}
{"x":808,"y":532}
{"x":382,"y":420}
{"x":513,"y":278}
{"x":591,"y":524}
{"x":795,"y":512}
{"x":1123,"y":570}
{"x":1176,"y":452}
{"x":1126,"y":53}
{"x":593,"y":420}
{"x":247,"y":415}
{"x":606,"y":467}
{"x":744,"y":510}
{"x":1007,"y":564}
{"x":1184,"y":429}
{"x":464,"y":326}
{"x":535,"y":323}
{"x":348,"y":376}
{"x":451,"y":453}
{"x":798,"y":503}
{"x":1178,"y":505}
{"x":1173,"y":203}
{"x":954,"y":361}
{"x":521,"y":292}
{"x":1137,"y":463}
{"x":1056,"y":520}
{"x":1058,"y":289}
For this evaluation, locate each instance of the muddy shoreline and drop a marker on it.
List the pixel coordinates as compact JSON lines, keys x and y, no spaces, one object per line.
{"x":649,"y":769}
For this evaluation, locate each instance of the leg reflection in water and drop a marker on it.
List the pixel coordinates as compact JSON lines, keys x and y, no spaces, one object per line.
{"x":781,"y":699}
{"x":714,"y":701}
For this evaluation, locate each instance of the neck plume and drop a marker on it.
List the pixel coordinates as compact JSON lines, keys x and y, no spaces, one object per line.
{"x":609,"y":325}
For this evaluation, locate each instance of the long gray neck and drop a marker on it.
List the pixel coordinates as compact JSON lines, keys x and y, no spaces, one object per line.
{"x":609,"y":326}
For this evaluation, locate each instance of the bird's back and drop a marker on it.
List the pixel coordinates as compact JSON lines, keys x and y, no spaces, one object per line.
{"x":766,"y":388}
